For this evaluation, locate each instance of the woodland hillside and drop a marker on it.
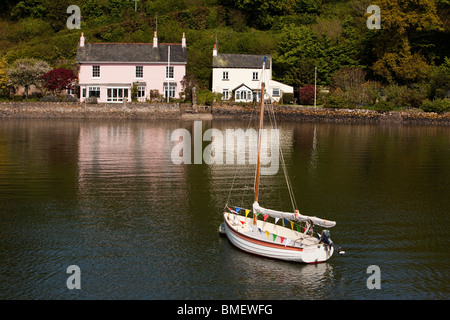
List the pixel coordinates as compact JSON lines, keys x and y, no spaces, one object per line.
{"x":408,"y":58}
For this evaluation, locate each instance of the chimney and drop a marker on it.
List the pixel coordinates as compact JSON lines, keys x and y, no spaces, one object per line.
{"x":155,"y":40}
{"x":82,"y":40}
{"x":215,"y":51}
{"x":183,"y":41}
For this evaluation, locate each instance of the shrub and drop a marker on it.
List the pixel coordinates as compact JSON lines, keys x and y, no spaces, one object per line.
{"x":336,"y":101}
{"x":438,"y":106}
{"x":306,"y":95}
{"x":50,"y":99}
{"x":383,"y":106}
{"x":205,"y":97}
{"x":287,"y":98}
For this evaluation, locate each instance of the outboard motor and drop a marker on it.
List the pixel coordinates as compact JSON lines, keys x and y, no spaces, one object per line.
{"x":325,"y":238}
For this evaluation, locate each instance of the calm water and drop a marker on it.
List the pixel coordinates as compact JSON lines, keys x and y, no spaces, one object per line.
{"x":106,"y":196}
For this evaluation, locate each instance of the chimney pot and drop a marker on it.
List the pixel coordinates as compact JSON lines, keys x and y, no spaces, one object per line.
{"x":183,"y":41}
{"x":82,"y":40}
{"x":155,"y":40}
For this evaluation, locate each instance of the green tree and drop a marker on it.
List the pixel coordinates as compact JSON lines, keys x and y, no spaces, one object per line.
{"x":28,"y":8}
{"x":26,"y":72}
{"x":3,"y":75}
{"x":300,"y":49}
{"x":402,"y":20}
{"x":92,"y":9}
{"x":440,"y":80}
{"x":57,"y":13}
{"x":307,"y":6}
{"x":262,"y":12}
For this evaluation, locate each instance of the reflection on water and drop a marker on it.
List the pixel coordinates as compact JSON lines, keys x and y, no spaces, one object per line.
{"x":106,"y":196}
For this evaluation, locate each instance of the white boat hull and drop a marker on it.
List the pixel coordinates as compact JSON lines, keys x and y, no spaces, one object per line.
{"x":274,"y":241}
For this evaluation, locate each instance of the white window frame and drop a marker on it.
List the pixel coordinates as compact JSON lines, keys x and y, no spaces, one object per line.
{"x":118,"y":98}
{"x":139,"y":72}
{"x":243,"y":94}
{"x":172,"y":91}
{"x":225,"y":94}
{"x":255,"y":76}
{"x":96,"y":72}
{"x":169,"y":72}
{"x":276,"y":92}
{"x":92,"y":90}
{"x":141,"y":91}
{"x":225,"y":75}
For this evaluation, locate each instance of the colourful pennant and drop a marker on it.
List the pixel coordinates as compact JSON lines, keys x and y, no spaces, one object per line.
{"x":281,"y":239}
{"x":246,"y":212}
{"x":274,"y":237}
{"x":288,"y":242}
{"x":292,"y":225}
{"x":267,"y":234}
{"x":265,"y":217}
{"x":237,"y":209}
{"x":276,"y":220}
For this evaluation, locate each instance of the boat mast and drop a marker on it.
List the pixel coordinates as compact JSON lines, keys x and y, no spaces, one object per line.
{"x":261,"y":114}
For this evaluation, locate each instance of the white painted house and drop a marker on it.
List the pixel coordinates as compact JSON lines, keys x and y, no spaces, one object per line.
{"x":238,"y":77}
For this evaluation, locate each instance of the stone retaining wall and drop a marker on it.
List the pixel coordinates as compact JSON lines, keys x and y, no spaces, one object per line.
{"x":312,"y":114}
{"x":71,"y":110}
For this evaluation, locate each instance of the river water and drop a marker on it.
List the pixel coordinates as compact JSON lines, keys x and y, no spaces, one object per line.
{"x":109,"y":197}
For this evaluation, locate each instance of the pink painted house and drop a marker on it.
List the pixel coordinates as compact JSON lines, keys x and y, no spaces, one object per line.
{"x":108,"y":71}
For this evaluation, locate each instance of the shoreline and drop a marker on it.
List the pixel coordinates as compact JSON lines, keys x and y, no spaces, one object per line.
{"x":176,"y":111}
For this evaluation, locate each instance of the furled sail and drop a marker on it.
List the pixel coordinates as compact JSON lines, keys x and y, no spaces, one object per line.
{"x":292,"y":216}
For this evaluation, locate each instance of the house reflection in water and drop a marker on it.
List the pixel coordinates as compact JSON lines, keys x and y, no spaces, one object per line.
{"x":118,"y":160}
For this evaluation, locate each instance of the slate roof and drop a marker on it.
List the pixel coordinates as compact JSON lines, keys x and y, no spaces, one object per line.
{"x":131,"y":52}
{"x":246,"y":61}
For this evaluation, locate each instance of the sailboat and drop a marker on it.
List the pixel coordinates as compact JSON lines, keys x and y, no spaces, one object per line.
{"x":258,"y":231}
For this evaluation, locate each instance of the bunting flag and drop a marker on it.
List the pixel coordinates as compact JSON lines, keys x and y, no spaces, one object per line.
{"x":260,"y":231}
{"x":237,"y":209}
{"x":285,"y":221}
{"x":242,"y":222}
{"x":246,"y":212}
{"x":276,"y":220}
{"x":267,"y":234}
{"x":274,"y":237}
{"x":298,"y":227}
{"x":292,"y":225}
{"x":281,"y":239}
{"x":288,"y":242}
{"x":265,"y":217}
{"x":251,"y":228}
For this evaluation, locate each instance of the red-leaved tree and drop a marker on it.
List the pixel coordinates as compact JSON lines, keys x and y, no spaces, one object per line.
{"x":306,"y":94}
{"x":58,"y":80}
